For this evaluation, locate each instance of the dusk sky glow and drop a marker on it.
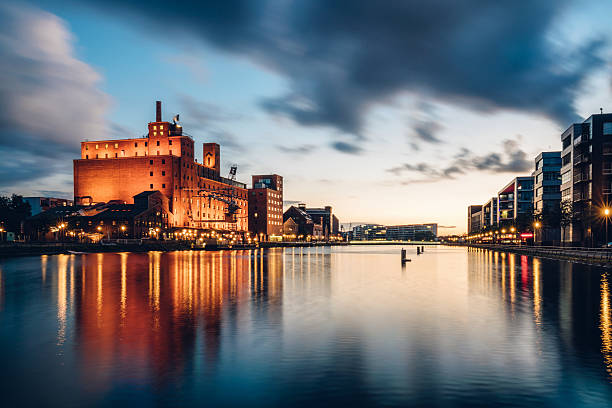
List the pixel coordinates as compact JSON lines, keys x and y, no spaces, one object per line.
{"x":391,"y":112}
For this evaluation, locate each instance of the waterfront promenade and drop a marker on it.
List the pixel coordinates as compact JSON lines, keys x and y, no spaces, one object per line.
{"x":594,"y":256}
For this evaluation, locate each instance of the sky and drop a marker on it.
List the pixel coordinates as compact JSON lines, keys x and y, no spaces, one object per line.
{"x":392,"y":112}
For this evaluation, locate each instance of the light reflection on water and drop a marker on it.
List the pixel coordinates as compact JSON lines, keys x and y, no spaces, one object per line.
{"x":331,"y":326}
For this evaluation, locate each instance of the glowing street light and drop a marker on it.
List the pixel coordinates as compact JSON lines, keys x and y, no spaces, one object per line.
{"x":606,"y":212}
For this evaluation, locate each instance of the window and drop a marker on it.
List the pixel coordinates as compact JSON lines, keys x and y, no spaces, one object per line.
{"x":96,"y":145}
{"x":154,"y":133}
{"x":106,"y":145}
{"x":116,"y":155}
{"x":136,"y":144}
{"x":161,"y":127}
{"x":566,"y":177}
{"x":158,"y":152}
{"x":135,"y":153}
{"x":607,"y":128}
{"x":151,"y":173}
{"x":87,"y":156}
{"x":151,"y":186}
{"x":567,"y":159}
{"x":146,"y":144}
{"x":163,"y":173}
{"x":116,"y":145}
{"x":163,"y":186}
{"x":123,"y":153}
{"x":106,"y":155}
{"x":150,"y":161}
{"x":163,"y":161}
{"x":170,"y":142}
{"x":158,"y":142}
{"x":96,"y":156}
{"x":154,"y":127}
{"x":170,"y":152}
{"x":86,"y":147}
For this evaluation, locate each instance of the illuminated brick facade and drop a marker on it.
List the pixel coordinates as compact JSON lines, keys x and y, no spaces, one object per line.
{"x":162,"y":160}
{"x":266,"y":205}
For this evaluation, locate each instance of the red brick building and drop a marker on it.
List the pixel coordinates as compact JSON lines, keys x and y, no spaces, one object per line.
{"x":163,"y":160}
{"x":266,"y":206}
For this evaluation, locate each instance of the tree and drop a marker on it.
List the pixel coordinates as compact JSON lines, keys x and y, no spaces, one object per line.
{"x":566,"y":216}
{"x":13,"y":211}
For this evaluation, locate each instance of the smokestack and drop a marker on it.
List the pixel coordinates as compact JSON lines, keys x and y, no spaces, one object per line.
{"x":158,"y":111}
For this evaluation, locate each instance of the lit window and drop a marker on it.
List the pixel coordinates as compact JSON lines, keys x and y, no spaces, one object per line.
{"x":116,"y":145}
{"x":96,"y":146}
{"x":106,"y":145}
{"x":161,"y":127}
{"x":86,"y":147}
{"x":154,"y":127}
{"x":154,"y":133}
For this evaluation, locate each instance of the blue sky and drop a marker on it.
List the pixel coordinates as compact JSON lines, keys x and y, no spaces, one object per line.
{"x":395,"y":113}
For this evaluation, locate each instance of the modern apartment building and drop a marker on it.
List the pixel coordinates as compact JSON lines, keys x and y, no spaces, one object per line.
{"x":586,"y":179}
{"x":489,"y":213}
{"x":266,"y":206}
{"x":474,"y":220}
{"x":515,"y":201}
{"x":547,"y":197}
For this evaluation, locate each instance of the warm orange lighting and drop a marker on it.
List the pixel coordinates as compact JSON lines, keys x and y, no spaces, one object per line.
{"x":512,"y":229}
{"x":537,"y":224}
{"x":606,"y":211}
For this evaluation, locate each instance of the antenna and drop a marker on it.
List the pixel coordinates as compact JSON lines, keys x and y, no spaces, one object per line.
{"x":601,"y":111}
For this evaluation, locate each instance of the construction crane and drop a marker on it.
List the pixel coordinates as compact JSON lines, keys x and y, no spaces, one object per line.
{"x":225,"y":195}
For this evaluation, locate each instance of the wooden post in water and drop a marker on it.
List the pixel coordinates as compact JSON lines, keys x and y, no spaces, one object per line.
{"x":422,"y":248}
{"x":418,"y":251}
{"x":404,"y":259}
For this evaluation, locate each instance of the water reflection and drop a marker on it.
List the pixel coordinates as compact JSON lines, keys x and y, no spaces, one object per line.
{"x":349,"y":326}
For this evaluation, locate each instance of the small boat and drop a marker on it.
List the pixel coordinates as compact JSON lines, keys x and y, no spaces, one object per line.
{"x":76,"y":252}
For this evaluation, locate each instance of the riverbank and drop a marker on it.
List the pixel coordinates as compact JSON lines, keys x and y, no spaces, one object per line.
{"x":593,"y":256}
{"x":50,"y":248}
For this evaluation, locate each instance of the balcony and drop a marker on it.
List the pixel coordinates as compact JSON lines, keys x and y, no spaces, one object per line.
{"x":581,"y":159}
{"x":580,"y":196}
{"x":581,"y":177}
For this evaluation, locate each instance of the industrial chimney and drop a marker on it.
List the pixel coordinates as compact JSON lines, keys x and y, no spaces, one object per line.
{"x":158,"y":117}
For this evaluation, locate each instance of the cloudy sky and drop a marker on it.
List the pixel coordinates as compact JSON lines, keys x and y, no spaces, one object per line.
{"x":390,"y":111}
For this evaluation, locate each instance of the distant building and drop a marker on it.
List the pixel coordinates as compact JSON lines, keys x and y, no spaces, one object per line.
{"x":266,"y":206}
{"x":586,"y":179}
{"x":325,"y":217}
{"x":368,"y":232}
{"x":515,"y":201}
{"x":547,"y":197}
{"x":412,"y":232}
{"x":40,"y":204}
{"x":474,"y":216}
{"x":298,"y":222}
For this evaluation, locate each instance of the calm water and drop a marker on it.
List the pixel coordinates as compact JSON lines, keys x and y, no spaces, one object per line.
{"x":304,"y":327}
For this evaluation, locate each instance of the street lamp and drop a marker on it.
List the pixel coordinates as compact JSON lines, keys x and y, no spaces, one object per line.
{"x":606,"y":212}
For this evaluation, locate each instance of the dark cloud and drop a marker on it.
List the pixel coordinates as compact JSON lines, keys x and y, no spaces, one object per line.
{"x":299,"y":150}
{"x":209,"y":119}
{"x":344,"y":147}
{"x":343,"y":56}
{"x":512,"y":159}
{"x":49,"y":99}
